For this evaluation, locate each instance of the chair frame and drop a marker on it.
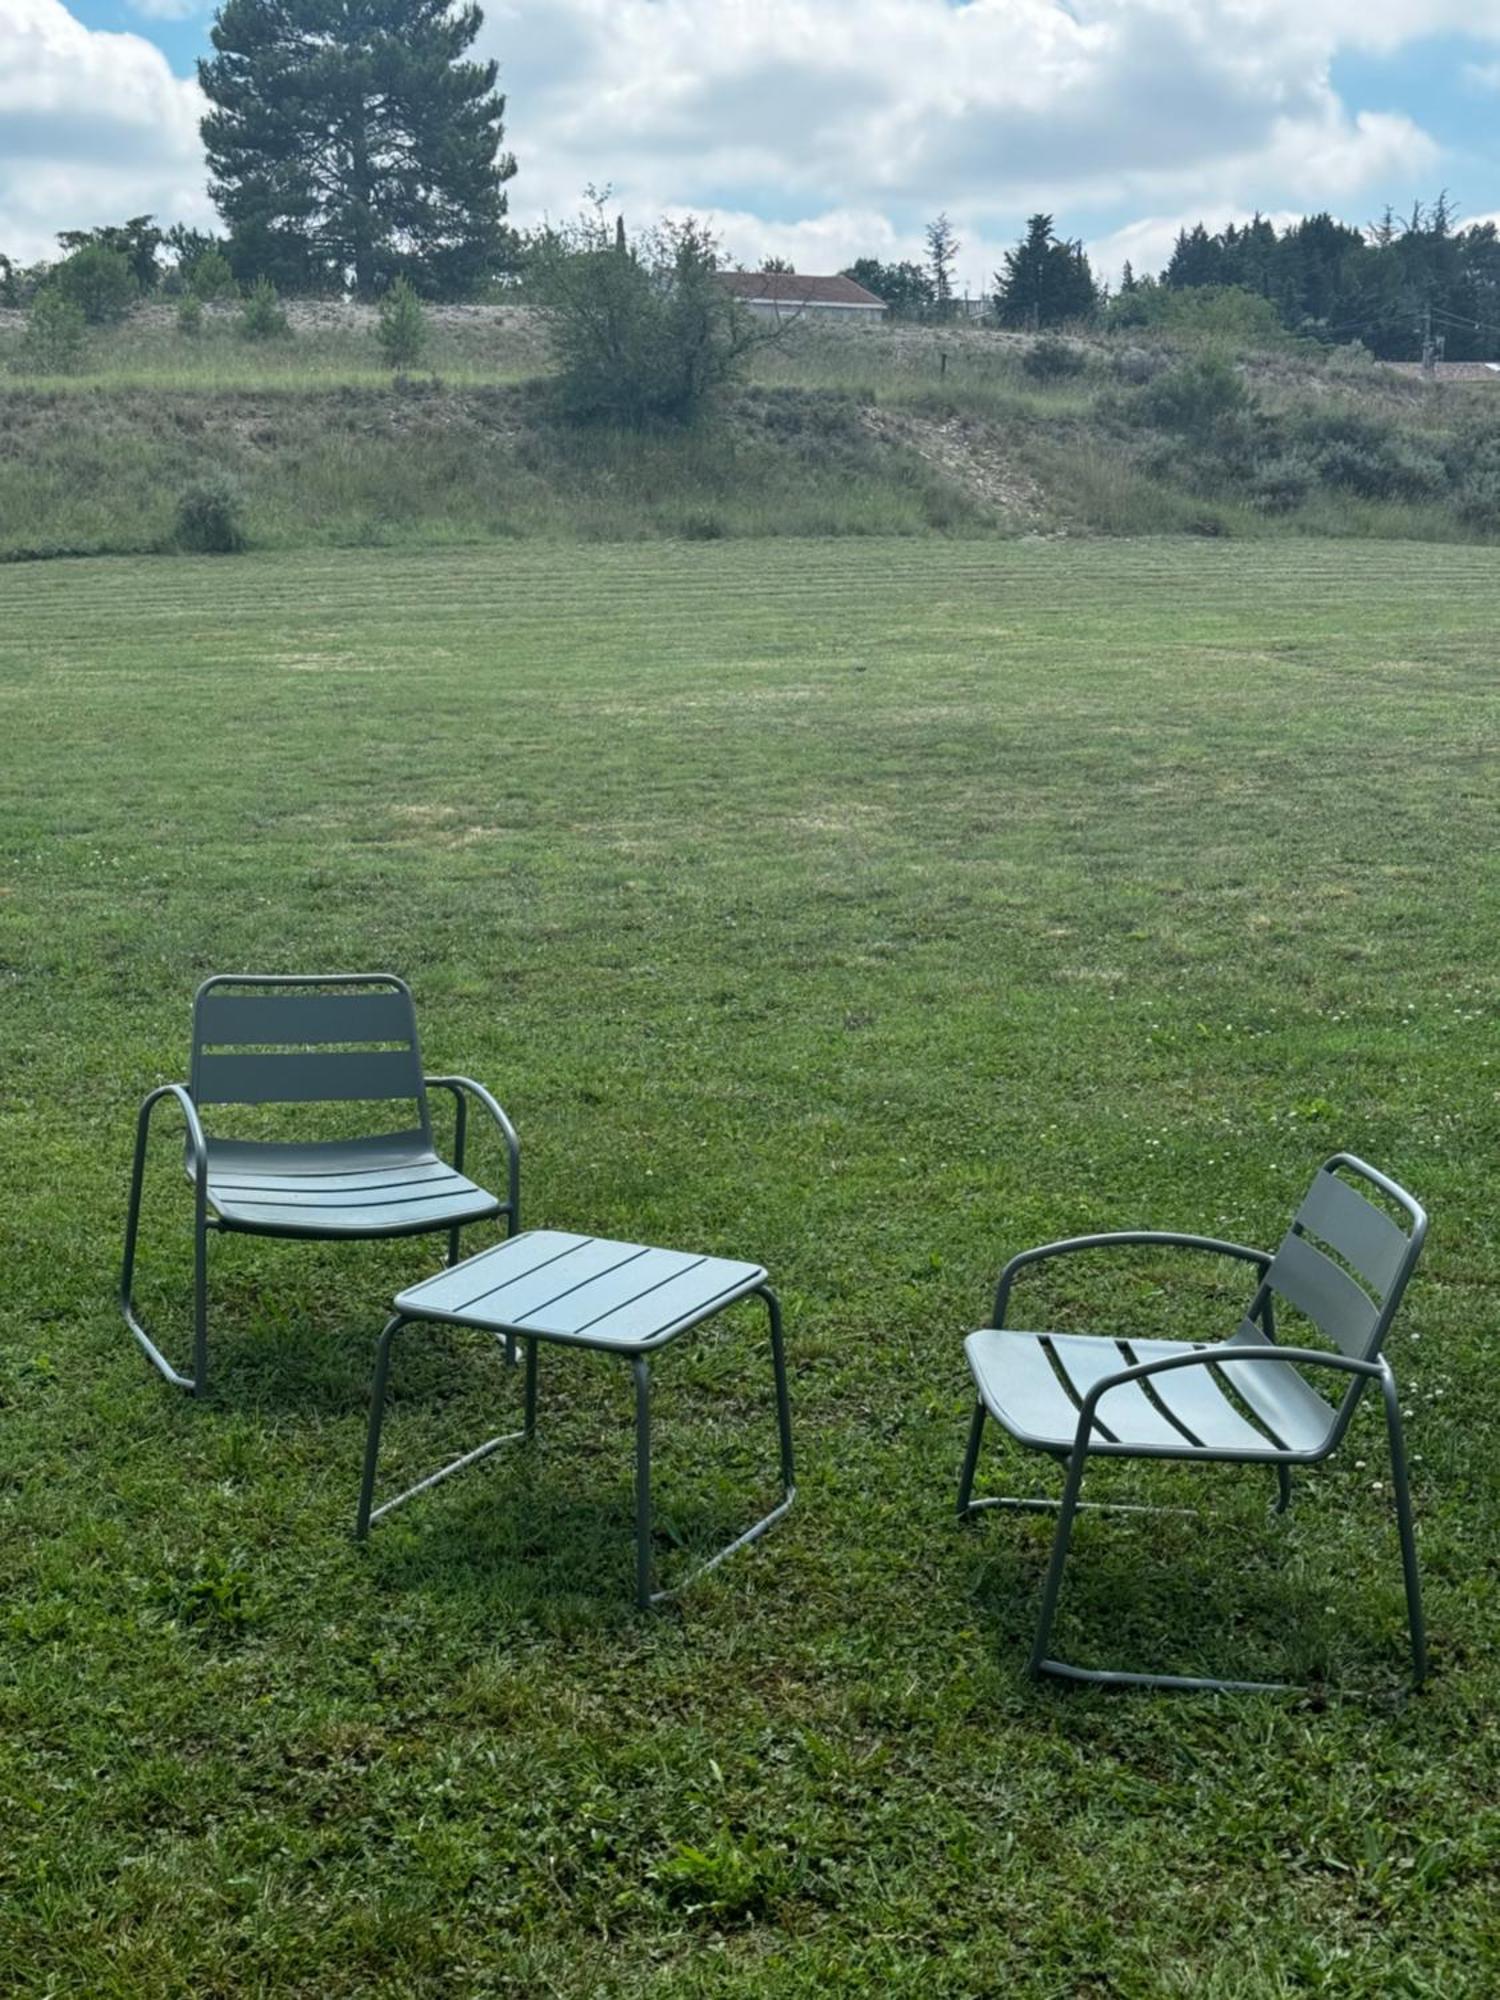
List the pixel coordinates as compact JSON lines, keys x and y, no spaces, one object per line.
{"x":1360,"y":1369}
{"x":461,"y":1088}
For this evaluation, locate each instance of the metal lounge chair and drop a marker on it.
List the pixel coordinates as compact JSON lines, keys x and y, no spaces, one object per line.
{"x":1342,"y":1266}
{"x":325,"y":1038}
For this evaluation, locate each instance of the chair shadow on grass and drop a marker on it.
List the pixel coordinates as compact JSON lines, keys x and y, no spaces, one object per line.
{"x":1225,"y":1589}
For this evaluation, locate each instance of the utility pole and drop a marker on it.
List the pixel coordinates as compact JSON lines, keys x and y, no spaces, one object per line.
{"x":1432,"y":350}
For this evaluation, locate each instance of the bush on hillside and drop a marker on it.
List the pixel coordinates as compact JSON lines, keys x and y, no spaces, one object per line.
{"x":1195,"y":400}
{"x":642,"y":335}
{"x":211,"y":279}
{"x":99,"y":282}
{"x":1362,"y":455}
{"x":402,"y":326}
{"x":1052,"y":360}
{"x":54,"y":339}
{"x":262,"y":316}
{"x":210,"y":518}
{"x":190,"y":316}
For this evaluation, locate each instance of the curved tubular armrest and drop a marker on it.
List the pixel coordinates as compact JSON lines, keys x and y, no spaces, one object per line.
{"x":463,"y":1088}
{"x":1207,"y":1357}
{"x":1114,"y":1239}
{"x":197,"y":1144}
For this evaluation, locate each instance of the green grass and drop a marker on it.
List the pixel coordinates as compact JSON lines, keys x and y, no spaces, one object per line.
{"x":872,"y":909}
{"x":102,"y":472}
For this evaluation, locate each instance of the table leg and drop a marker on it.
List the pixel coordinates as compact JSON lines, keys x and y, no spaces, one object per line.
{"x":640,"y":1368}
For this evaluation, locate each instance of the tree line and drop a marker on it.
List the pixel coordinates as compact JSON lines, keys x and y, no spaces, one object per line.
{"x":358,"y":147}
{"x":1403,"y":287}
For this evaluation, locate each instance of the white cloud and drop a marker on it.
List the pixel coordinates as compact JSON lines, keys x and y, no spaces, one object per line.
{"x":93,"y":127}
{"x":822,"y":131}
{"x":814,"y":129}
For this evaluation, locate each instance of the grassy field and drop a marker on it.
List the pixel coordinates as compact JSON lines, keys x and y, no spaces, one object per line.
{"x":872,"y":909}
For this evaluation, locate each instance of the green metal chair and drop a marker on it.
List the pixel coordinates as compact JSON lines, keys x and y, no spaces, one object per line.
{"x":325,"y":1038}
{"x":1342,"y":1267}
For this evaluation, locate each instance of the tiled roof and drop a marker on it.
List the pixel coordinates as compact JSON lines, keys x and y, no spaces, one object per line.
{"x":790,"y":288}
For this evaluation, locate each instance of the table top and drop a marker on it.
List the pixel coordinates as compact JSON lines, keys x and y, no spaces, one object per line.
{"x":582,"y":1290}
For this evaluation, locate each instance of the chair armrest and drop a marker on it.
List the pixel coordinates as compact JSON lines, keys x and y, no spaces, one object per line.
{"x":463,"y":1088}
{"x":1208,"y":1357}
{"x":1116,"y":1239}
{"x":197,"y":1143}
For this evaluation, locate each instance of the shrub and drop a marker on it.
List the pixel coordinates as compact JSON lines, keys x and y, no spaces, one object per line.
{"x":1281,"y":484}
{"x":1052,"y":360}
{"x":262,"y":316}
{"x":1364,"y":456}
{"x":641,"y":335}
{"x":1138,"y":365}
{"x":211,"y":279}
{"x":190,"y":315}
{"x":53,"y":341}
{"x":209,"y":518}
{"x":1195,"y":400}
{"x":1479,"y":498}
{"x":99,"y":282}
{"x":402,"y":327}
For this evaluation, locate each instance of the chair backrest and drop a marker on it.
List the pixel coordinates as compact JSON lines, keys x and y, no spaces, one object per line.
{"x":1345,"y":1263}
{"x":317,"y":1039}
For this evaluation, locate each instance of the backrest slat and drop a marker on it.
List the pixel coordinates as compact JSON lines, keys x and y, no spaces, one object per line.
{"x":1363,"y":1237}
{"x":228,"y":1019}
{"x":1330,"y":1298}
{"x":338,"y":1076}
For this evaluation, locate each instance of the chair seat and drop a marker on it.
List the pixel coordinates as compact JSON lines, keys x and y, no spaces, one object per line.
{"x":348,"y":1188}
{"x":1034,"y":1384}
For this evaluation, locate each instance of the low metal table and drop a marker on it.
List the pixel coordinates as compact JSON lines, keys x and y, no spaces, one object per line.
{"x":584,"y":1291}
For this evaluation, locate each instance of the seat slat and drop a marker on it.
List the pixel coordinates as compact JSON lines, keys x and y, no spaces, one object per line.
{"x":1370,"y":1241}
{"x":1018,"y":1386}
{"x":338,"y":1077}
{"x":1281,"y":1395}
{"x":1126,"y":1412}
{"x":455,"y":1290}
{"x":1198,"y":1403}
{"x":228,"y":1019}
{"x":650,"y":1315}
{"x":245,"y":1181}
{"x":300,"y":1218}
{"x":1318,"y":1287}
{"x":537,"y":1293}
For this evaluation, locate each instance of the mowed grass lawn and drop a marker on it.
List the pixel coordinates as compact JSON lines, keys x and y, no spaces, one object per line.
{"x":871,"y":910}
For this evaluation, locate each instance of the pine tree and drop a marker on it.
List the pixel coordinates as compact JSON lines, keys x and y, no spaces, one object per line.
{"x":943,"y":247}
{"x":349,"y":142}
{"x":1045,"y":282}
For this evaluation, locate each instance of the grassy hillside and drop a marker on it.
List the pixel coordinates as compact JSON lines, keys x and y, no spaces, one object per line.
{"x":871,"y":909}
{"x":841,"y":431}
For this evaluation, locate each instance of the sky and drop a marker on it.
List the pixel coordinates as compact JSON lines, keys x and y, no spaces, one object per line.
{"x":824,"y":130}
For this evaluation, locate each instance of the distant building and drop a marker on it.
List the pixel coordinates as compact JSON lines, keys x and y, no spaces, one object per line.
{"x":788,"y":295}
{"x":1450,"y":371}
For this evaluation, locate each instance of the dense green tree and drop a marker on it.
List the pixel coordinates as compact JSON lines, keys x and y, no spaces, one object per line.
{"x":99,"y":283}
{"x":137,"y":241}
{"x":401,"y":328}
{"x":1046,"y":282}
{"x":904,"y":287}
{"x":351,"y":142}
